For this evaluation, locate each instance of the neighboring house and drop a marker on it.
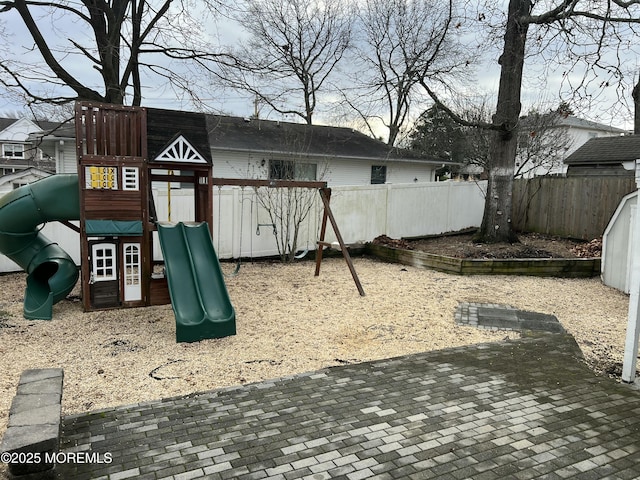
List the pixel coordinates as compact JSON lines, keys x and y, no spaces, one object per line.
{"x":254,"y":148}
{"x":582,"y":130}
{"x":58,"y":142}
{"x":17,"y":179}
{"x":575,"y":132}
{"x":604,"y":157}
{"x":17,"y":151}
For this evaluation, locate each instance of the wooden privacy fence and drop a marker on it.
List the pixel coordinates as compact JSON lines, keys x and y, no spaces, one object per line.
{"x":575,"y":207}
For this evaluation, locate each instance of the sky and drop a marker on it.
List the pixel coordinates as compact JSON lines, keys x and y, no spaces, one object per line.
{"x":539,"y":82}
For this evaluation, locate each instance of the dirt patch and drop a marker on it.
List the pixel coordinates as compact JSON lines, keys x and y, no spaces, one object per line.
{"x":530,"y":245}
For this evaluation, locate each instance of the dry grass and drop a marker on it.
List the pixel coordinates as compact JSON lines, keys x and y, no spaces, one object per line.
{"x":288,"y":321}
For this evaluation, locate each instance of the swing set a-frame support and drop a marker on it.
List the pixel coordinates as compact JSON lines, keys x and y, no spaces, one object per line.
{"x":325,"y":196}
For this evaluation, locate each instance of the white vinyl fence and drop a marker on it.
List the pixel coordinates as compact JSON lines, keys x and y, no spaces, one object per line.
{"x":242,"y":227}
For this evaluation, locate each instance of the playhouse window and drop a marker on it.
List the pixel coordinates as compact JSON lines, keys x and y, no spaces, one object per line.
{"x":101,"y":178}
{"x":104,"y":262}
{"x":130,"y":178}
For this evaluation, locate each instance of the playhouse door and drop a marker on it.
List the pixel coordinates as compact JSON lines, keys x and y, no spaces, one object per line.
{"x":104,"y":285}
{"x":132,"y":284}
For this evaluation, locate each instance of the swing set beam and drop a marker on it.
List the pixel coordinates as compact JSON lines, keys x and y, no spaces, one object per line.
{"x":325,"y":196}
{"x":253,"y":182}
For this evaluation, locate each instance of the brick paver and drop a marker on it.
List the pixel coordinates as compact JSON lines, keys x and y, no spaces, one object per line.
{"x":518,"y":409}
{"x":491,"y":316}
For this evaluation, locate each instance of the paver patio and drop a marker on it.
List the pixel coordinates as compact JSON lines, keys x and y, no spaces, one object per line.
{"x":518,"y":409}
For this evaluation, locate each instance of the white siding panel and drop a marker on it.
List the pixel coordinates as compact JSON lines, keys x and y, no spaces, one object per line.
{"x":237,"y":165}
{"x":617,"y":243}
{"x":410,"y":173}
{"x":348,"y":172}
{"x":336,"y":172}
{"x":67,"y":157}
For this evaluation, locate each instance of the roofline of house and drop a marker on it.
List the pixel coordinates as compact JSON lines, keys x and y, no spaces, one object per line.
{"x":351,"y":157}
{"x":618,"y":131}
{"x":23,"y":173}
{"x":52,"y":137}
{"x":584,"y":124}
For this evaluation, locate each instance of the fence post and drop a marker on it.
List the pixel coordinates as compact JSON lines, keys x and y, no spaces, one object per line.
{"x":448,"y":207}
{"x":387,"y":207}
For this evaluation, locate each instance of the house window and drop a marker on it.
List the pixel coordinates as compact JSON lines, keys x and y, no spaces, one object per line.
{"x":13,"y":150}
{"x":378,"y":174}
{"x":101,"y":178}
{"x":130,"y":178}
{"x":290,"y":170}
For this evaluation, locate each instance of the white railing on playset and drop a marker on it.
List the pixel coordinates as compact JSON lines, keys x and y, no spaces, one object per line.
{"x":362,"y":213}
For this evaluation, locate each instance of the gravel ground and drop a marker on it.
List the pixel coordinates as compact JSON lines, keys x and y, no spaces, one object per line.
{"x":288,"y":321}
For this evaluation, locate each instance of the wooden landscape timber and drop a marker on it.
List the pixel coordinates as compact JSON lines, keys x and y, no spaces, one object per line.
{"x":540,"y":267}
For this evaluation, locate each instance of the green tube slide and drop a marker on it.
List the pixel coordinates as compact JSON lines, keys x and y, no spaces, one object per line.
{"x":52,"y":273}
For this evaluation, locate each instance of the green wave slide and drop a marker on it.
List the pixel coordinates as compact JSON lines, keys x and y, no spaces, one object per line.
{"x":52,"y":273}
{"x":198,"y":293}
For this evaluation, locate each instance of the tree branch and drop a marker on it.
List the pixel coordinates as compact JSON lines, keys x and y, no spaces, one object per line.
{"x":82,"y":91}
{"x":457,"y":118}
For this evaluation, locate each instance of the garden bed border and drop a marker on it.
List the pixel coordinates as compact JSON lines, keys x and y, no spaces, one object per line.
{"x":540,"y":267}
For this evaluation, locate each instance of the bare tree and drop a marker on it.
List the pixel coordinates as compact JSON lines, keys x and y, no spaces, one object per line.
{"x":404,"y":42}
{"x":294,"y":48}
{"x":290,"y":209}
{"x":542,"y":144}
{"x":562,"y":22}
{"x":98,"y":51}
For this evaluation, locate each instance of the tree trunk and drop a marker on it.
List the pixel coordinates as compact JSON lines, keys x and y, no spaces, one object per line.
{"x":496,"y":221}
{"x":635,"y":94}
